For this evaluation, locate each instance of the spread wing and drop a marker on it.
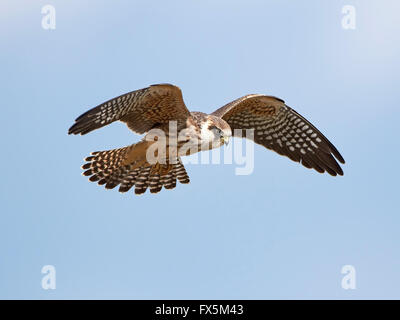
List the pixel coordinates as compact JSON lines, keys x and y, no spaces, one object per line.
{"x":280,"y":128}
{"x":141,"y":110}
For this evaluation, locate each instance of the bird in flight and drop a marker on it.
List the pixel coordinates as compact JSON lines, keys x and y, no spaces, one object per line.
{"x":275,"y":126}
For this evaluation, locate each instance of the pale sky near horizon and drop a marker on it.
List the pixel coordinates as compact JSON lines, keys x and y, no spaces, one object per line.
{"x":282,"y":232}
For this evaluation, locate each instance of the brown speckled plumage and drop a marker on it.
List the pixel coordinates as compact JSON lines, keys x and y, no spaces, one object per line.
{"x":276,"y":126}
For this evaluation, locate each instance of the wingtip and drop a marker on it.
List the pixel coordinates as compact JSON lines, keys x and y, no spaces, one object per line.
{"x":338,"y":156}
{"x":72,"y":130}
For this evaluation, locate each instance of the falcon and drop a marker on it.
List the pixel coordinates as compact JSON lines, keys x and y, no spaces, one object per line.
{"x":275,"y":126}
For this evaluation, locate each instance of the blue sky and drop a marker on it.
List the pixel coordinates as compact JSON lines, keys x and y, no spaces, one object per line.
{"x":282,"y":232}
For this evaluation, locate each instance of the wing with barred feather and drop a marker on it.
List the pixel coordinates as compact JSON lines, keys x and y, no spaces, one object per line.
{"x":141,"y":110}
{"x":280,"y":128}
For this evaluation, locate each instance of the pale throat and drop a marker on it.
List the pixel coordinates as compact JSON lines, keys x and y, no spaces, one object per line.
{"x":206,"y":135}
{"x":208,"y":140}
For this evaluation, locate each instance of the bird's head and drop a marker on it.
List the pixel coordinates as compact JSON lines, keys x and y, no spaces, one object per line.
{"x":214,"y":132}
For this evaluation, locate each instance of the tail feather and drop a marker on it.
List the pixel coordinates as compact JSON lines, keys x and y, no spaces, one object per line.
{"x":129,"y":180}
{"x":142,"y":181}
{"x":110,"y":168}
{"x":103,"y":163}
{"x":154,"y":182}
{"x":169,"y":180}
{"x":115,"y":179}
{"x":181,"y":173}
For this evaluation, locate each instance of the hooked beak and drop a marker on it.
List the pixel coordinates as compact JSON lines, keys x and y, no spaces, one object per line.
{"x":225,"y":140}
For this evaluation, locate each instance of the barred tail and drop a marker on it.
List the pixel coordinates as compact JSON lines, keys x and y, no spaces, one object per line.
{"x":127,"y":167}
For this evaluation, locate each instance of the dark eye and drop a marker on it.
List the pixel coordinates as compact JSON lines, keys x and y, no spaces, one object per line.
{"x":217,"y":131}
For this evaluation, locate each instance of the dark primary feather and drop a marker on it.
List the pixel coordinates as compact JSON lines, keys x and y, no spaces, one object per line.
{"x":281,"y":129}
{"x":141,"y":110}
